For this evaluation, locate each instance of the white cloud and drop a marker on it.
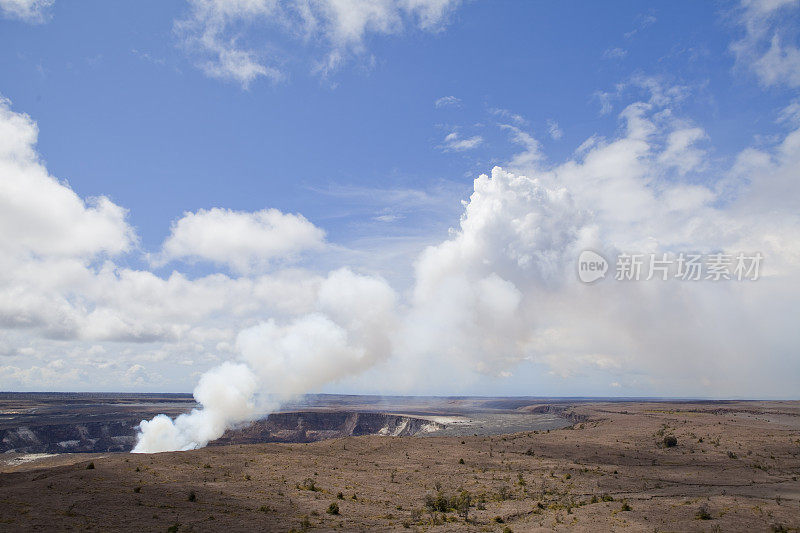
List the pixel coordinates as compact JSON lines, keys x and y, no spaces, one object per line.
{"x":769,"y":46}
{"x":244,"y":241}
{"x":614,"y":53}
{"x":27,"y":10}
{"x":790,"y":113}
{"x":532,"y":148}
{"x":453,"y":142}
{"x":554,"y":130}
{"x":680,"y":151}
{"x":446,"y":101}
{"x":516,"y":118}
{"x":216,"y":29}
{"x":643,"y":21}
{"x":41,"y":216}
{"x":500,"y":291}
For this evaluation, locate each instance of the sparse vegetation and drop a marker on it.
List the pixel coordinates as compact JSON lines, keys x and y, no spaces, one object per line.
{"x":308,"y":483}
{"x":440,"y":502}
{"x":670,"y":441}
{"x":703,"y":513}
{"x":523,"y":491}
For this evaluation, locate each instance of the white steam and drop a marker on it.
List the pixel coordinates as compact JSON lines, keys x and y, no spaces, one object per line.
{"x":347,"y":334}
{"x":503,"y":288}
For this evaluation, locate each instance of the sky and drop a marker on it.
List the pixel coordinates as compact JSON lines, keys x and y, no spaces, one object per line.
{"x":391,"y":197}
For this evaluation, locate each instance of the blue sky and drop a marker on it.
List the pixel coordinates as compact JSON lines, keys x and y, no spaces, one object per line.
{"x":374,"y":132}
{"x":123,"y":112}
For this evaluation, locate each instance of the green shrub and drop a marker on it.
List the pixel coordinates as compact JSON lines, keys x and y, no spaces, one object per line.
{"x":333,"y":508}
{"x":462,"y":503}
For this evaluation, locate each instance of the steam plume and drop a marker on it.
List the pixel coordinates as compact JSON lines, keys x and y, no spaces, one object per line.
{"x":349,"y":333}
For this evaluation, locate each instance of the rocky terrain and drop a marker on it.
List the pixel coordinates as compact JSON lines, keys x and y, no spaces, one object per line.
{"x":649,"y":466}
{"x":64,"y":423}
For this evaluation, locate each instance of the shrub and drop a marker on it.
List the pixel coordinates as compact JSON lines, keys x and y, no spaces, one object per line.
{"x":461,"y":461}
{"x":333,"y":508}
{"x":625,"y":506}
{"x":192,"y":496}
{"x":137,"y":490}
{"x":504,"y":493}
{"x":90,"y":466}
{"x":437,"y":502}
{"x":670,"y":441}
{"x":461,"y":504}
{"x":703,"y":513}
{"x":339,"y":496}
{"x":308,"y":484}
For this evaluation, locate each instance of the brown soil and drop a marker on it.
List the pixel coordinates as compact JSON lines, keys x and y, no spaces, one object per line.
{"x":738,"y":462}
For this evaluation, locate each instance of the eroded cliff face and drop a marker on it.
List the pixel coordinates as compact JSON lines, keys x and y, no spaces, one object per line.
{"x":313,"y":426}
{"x":120,"y":435}
{"x":116,"y":436}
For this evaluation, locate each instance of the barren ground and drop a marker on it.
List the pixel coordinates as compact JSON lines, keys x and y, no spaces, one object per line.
{"x":738,"y":461}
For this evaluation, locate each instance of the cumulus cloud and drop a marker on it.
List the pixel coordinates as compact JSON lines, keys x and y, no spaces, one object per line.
{"x":61,"y":277}
{"x":245,"y":241}
{"x":40,"y":215}
{"x":500,"y":291}
{"x":215,"y":30}
{"x":769,"y":45}
{"x":26,"y":10}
